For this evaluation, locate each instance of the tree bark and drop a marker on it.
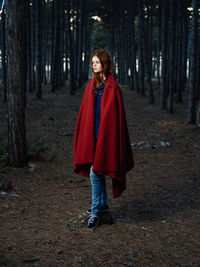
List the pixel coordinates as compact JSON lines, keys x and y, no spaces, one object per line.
{"x":172,"y":56}
{"x":185,"y":45}
{"x":3,"y":58}
{"x":29,"y":82}
{"x":193,"y":75}
{"x":180,"y":50}
{"x":80,"y":43}
{"x":87,"y":42}
{"x":38,"y":51}
{"x":32,"y":88}
{"x":159,"y":40}
{"x":16,"y":81}
{"x":141,"y":60}
{"x":134,"y":75}
{"x":164,"y":29}
{"x":71,"y":51}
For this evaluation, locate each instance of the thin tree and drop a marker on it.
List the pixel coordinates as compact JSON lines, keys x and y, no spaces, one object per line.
{"x":87,"y":43}
{"x":185,"y":44}
{"x":172,"y":55}
{"x":3,"y":58}
{"x":141,"y":60}
{"x":164,"y":30}
{"x":80,"y":43}
{"x":38,"y":50}
{"x":134,"y":74}
{"x":180,"y":51}
{"x":159,"y":15}
{"x":192,"y":79}
{"x":29,"y":44}
{"x":71,"y":50}
{"x":33,"y":47}
{"x":146,"y":52}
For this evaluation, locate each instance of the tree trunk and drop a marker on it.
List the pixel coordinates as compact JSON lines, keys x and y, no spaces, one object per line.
{"x":44,"y":42}
{"x":180,"y":50}
{"x":164,"y":29}
{"x":158,"y":51}
{"x":62,"y":43}
{"x":147,"y":50}
{"x":76,"y":29}
{"x":185,"y":45}
{"x":58,"y":49}
{"x":87,"y":41}
{"x":134,"y":76}
{"x":193,"y":75}
{"x":3,"y":58}
{"x":33,"y":46}
{"x":16,"y":82}
{"x":141,"y":70}
{"x":141,"y":56}
{"x":71,"y":51}
{"x":172,"y":55}
{"x":29,"y":48}
{"x":198,"y":66}
{"x":198,"y":115}
{"x":80,"y":43}
{"x":38,"y":51}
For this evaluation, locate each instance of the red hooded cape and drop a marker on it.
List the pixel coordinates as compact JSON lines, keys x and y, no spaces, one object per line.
{"x":113,"y":154}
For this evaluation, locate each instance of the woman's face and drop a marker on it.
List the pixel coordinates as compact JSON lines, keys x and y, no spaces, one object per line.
{"x":96,"y":65}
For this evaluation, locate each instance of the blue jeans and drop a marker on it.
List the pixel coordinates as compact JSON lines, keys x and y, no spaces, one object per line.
{"x":99,"y":193}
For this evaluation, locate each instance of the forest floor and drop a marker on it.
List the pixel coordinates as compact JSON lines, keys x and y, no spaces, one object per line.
{"x":43,"y":219}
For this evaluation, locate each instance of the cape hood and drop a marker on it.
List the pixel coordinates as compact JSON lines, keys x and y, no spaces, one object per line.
{"x":113,"y":155}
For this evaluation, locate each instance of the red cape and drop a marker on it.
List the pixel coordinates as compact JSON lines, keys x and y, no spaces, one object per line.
{"x":113,"y":155}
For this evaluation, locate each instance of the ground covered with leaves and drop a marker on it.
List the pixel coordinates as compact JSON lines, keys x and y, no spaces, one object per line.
{"x":43,"y":219}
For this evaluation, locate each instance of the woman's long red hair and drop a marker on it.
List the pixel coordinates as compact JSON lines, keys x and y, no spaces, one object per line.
{"x":106,"y":64}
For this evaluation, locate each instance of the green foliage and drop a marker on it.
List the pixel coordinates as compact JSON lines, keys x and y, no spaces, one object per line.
{"x":36,"y":147}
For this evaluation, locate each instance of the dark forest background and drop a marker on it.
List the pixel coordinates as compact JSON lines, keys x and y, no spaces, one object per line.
{"x":155,"y":45}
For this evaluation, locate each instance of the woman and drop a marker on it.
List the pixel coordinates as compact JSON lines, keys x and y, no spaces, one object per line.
{"x":102,"y":144}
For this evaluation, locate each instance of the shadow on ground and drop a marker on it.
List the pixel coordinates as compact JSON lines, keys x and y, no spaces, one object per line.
{"x":163,"y":203}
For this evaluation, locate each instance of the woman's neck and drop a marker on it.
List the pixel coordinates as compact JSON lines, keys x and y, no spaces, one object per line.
{"x":102,"y":77}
